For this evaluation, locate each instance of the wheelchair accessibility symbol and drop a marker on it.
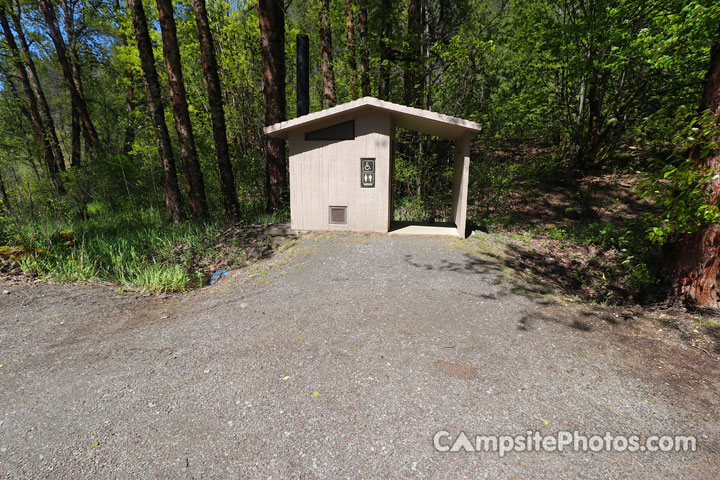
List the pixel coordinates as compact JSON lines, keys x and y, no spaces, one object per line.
{"x":367,"y":173}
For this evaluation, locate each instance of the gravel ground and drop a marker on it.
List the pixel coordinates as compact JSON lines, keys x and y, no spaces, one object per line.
{"x":340,"y":358}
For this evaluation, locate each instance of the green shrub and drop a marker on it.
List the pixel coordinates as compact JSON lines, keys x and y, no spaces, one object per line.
{"x":131,"y":249}
{"x":673,"y":178}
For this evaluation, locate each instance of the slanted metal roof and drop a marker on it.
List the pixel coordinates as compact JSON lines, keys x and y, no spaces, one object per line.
{"x":409,"y":118}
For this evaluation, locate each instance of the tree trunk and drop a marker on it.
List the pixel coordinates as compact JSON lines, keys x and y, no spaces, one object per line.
{"x":329,"y":95}
{"x":217,"y":114}
{"x":350,"y":48}
{"x":129,"y":137}
{"x":385,"y":51}
{"x":412,"y":75}
{"x":76,"y":95}
{"x":44,"y":108}
{"x":578,"y":136}
{"x":364,"y":52}
{"x":68,"y":8}
{"x":31,"y":101}
{"x":272,"y":38}
{"x":5,"y":205}
{"x":178,"y":97}
{"x":75,"y":133}
{"x":595,"y":103}
{"x":173,"y":199}
{"x":694,"y":263}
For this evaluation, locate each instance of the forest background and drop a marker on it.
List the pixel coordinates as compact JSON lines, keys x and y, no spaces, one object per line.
{"x":132,"y":146}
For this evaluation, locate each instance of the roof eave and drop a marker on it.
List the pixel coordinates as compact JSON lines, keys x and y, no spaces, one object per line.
{"x":281,"y":129}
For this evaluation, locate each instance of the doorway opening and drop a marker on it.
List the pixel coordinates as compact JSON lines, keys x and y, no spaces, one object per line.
{"x":422,"y":184}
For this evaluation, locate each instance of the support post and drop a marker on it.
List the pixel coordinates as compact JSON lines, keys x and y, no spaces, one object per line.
{"x":461,"y":174}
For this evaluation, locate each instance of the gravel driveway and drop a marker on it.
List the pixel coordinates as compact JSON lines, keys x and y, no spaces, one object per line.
{"x":341,"y":358}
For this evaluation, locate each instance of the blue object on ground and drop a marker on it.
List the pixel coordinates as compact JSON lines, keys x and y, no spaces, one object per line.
{"x":218,"y":275}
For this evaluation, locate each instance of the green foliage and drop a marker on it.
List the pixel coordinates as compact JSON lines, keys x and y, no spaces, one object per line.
{"x":584,"y":83}
{"x":585,"y":74}
{"x":503,"y":170}
{"x":677,"y":177}
{"x":411,"y":208}
{"x":639,"y":277}
{"x":636,"y":259}
{"x":135,"y":250}
{"x":422,"y":182}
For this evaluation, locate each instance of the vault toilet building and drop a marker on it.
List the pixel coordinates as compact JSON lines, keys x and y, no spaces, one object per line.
{"x":341,"y":164}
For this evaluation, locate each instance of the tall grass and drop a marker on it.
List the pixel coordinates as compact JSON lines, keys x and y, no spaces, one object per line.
{"x":137,"y":249}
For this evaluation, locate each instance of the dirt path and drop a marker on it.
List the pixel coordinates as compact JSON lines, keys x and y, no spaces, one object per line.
{"x":400,"y":338}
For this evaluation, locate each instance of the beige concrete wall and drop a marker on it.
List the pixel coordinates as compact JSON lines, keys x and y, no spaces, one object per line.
{"x":391,"y":167}
{"x":325,"y":174}
{"x":461,"y":174}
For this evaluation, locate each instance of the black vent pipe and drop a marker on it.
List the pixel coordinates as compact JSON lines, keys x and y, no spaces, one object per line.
{"x":303,"y":75}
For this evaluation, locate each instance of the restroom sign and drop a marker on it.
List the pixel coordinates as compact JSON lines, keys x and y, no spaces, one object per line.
{"x":367,"y":173}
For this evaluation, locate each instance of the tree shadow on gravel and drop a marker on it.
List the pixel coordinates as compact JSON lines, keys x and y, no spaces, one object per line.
{"x":492,"y":265}
{"x":471,"y":265}
{"x":514,"y":271}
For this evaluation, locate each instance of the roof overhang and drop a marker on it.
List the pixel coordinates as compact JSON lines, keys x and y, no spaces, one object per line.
{"x":410,"y":118}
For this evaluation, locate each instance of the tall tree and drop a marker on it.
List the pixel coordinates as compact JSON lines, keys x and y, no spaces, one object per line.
{"x":385,"y":49}
{"x":412,"y":91}
{"x":31,"y":101}
{"x":76,"y":95}
{"x":271,"y":15}
{"x":350,"y":47}
{"x":173,"y":199}
{"x":129,"y":137}
{"x":217,"y":113}
{"x":329,"y":95}
{"x":4,"y":200}
{"x":43,"y":105}
{"x":130,"y":102}
{"x":362,"y":26}
{"x":68,"y":9}
{"x":178,"y":98}
{"x":695,"y":259}
{"x":75,"y":134}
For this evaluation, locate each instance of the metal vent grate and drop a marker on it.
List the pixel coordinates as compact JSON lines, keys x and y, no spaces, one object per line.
{"x":338,"y":215}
